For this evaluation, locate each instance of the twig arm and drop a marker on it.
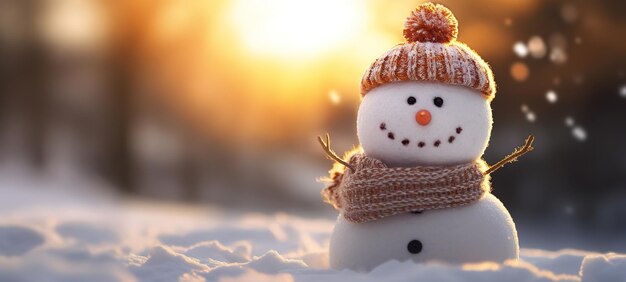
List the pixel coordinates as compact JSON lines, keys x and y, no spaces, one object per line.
{"x":330,"y":153}
{"x":528,"y":146}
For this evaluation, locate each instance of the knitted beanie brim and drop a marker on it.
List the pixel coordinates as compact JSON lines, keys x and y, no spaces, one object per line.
{"x":431,"y":54}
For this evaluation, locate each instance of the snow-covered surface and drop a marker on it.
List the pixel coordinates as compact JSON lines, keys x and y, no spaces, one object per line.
{"x":49,"y":233}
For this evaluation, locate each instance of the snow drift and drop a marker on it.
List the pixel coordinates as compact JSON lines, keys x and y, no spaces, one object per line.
{"x":73,"y":238}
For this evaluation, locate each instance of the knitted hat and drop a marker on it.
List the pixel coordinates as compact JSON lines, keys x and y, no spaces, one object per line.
{"x":431,"y":54}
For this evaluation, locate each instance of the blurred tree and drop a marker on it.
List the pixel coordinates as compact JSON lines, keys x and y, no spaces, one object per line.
{"x":22,"y":72}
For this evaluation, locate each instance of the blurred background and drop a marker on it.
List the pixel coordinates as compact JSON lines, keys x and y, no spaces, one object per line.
{"x":219,"y":102}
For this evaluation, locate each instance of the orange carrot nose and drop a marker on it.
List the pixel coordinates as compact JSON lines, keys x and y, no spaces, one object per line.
{"x":423,"y":117}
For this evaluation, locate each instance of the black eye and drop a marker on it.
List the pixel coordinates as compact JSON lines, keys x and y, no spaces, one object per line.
{"x":438,"y":102}
{"x":411,"y":100}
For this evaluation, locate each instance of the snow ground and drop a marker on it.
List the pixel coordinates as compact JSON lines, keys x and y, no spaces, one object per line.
{"x":48,"y":233}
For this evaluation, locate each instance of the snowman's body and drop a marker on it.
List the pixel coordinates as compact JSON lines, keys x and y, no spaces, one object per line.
{"x":426,"y":107}
{"x":482,"y":231}
{"x":456,"y":131}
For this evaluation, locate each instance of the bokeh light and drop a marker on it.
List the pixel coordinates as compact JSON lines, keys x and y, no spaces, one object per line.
{"x":552,"y":97}
{"x":520,"y":49}
{"x":537,"y":47}
{"x":334,"y":97}
{"x":519,"y":71}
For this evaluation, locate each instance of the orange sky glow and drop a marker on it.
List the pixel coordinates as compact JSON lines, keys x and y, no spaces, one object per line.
{"x":264,"y":70}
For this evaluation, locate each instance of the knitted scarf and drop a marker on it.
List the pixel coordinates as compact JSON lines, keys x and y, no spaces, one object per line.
{"x":371,"y":190}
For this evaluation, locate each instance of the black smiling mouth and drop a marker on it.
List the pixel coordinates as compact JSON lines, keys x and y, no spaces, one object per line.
{"x":421,"y":143}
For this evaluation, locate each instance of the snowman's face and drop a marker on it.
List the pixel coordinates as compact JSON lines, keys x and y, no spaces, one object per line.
{"x":424,"y":123}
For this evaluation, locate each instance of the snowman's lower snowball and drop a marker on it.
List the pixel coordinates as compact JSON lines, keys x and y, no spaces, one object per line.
{"x":481,"y":231}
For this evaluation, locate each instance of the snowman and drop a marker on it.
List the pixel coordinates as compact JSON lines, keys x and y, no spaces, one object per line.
{"x":417,"y":188}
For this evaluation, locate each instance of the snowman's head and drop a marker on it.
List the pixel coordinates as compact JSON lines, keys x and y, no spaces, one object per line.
{"x":413,"y":123}
{"x":427,"y":101}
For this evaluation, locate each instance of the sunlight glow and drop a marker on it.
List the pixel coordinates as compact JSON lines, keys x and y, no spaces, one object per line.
{"x":296,"y":27}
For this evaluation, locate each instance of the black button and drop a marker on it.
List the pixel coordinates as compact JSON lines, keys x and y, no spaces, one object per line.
{"x":414,"y":247}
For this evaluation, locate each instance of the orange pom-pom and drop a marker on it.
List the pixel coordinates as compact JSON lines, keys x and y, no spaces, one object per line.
{"x":431,"y":23}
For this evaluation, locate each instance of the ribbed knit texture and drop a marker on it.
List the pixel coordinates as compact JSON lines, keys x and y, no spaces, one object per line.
{"x":373,"y":190}
{"x":431,"y":54}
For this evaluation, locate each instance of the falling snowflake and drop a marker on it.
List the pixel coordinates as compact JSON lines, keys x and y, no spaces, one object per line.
{"x":622,"y":91}
{"x":537,"y":47}
{"x":569,"y":209}
{"x":551,"y":96}
{"x":558,"y":40}
{"x":520,"y":49}
{"x":578,"y":40}
{"x":579,"y":133}
{"x":530,"y":116}
{"x":578,"y":79}
{"x":569,"y":13}
{"x":524,"y":108}
{"x":334,"y":97}
{"x":508,"y":22}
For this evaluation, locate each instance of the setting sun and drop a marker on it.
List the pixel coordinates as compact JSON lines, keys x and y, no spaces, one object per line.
{"x":295,"y":28}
